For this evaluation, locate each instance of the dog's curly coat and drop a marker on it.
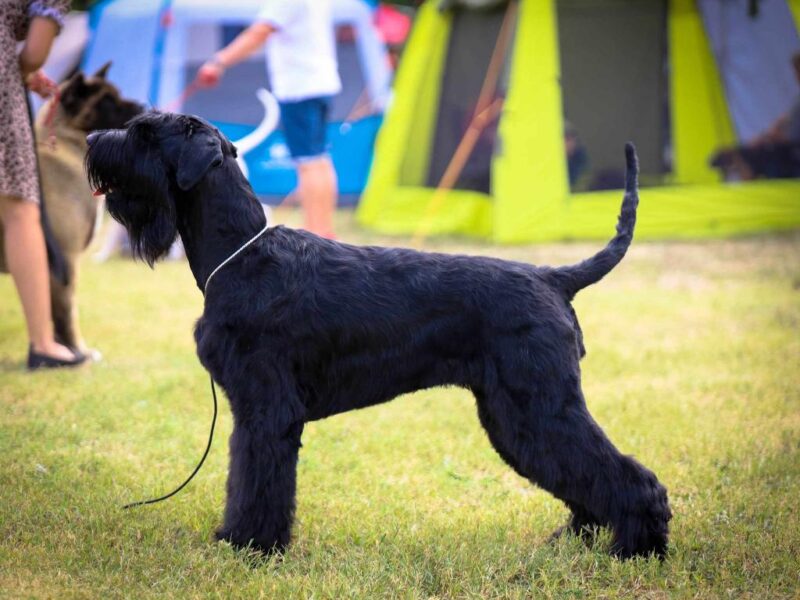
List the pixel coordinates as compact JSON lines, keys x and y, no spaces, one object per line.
{"x":298,"y":328}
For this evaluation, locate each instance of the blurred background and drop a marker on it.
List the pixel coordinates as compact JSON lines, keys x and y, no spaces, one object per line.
{"x":706,"y":89}
{"x":488,"y":127}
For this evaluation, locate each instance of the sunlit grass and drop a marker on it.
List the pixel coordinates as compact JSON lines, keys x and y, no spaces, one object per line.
{"x":693,"y":366}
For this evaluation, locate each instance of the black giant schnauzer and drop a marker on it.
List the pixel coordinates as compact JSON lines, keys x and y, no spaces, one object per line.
{"x":297,"y":328}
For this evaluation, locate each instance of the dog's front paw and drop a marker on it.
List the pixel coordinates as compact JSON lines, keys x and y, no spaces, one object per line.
{"x":243,"y":542}
{"x":651,"y":546}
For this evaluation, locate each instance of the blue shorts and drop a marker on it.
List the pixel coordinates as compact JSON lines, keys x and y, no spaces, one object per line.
{"x":304,"y":125}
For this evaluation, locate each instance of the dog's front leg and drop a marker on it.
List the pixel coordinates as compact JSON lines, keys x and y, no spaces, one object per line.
{"x":261,"y":487}
{"x":268,"y":417}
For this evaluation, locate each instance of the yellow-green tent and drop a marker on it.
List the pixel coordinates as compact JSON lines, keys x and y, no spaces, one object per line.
{"x":528,"y":197}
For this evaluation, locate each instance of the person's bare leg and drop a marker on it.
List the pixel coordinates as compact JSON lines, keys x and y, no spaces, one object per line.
{"x":317,"y":189}
{"x":26,"y":259}
{"x":303,"y":194}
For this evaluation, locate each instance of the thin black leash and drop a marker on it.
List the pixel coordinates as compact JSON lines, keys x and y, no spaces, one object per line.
{"x":213,"y":392}
{"x":196,"y":469}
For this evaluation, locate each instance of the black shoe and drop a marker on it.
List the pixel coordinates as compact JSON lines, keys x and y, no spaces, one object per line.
{"x":45,"y":361}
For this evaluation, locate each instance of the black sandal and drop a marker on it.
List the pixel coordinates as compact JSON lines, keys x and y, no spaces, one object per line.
{"x":45,"y":361}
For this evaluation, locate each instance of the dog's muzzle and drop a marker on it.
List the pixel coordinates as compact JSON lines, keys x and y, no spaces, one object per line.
{"x":91,"y":140}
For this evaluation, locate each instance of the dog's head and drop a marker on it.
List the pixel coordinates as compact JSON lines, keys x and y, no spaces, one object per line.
{"x":147,"y":170}
{"x":89,"y":103}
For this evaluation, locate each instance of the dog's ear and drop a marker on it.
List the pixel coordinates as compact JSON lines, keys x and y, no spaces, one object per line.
{"x":102,"y":71}
{"x":73,"y":94}
{"x":199,"y":153}
{"x":76,"y":79}
{"x":234,"y":152}
{"x":74,"y":84}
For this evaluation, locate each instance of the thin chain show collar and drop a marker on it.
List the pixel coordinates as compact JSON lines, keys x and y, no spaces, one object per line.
{"x":234,"y":255}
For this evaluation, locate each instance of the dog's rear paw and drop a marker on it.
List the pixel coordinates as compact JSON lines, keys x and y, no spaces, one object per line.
{"x":93,"y":355}
{"x":652,"y":548}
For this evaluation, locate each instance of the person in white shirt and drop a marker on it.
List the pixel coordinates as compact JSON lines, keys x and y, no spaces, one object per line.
{"x":301,"y":57}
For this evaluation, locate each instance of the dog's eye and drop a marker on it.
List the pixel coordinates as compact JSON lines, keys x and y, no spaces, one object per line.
{"x":144,"y":132}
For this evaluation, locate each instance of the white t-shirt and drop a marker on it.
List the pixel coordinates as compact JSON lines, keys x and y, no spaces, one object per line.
{"x":301,"y":54}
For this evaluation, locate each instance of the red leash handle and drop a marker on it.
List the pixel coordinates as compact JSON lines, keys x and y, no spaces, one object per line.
{"x":187,"y":93}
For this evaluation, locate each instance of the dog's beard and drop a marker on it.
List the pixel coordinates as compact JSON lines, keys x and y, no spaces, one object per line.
{"x":150,"y":221}
{"x":137,"y":194}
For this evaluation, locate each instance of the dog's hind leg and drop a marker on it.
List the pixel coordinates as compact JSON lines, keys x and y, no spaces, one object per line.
{"x":65,"y":313}
{"x":520,"y":457}
{"x":566,"y":453}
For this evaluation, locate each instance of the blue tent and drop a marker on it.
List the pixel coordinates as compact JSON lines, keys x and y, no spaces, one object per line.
{"x":157,"y":45}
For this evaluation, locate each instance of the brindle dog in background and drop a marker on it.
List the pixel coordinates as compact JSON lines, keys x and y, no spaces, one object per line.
{"x":86,"y":104}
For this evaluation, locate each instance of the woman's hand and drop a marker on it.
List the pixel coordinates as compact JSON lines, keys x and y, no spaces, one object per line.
{"x":41,"y":84}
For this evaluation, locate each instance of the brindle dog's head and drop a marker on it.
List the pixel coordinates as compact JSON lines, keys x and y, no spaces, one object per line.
{"x":90,"y":103}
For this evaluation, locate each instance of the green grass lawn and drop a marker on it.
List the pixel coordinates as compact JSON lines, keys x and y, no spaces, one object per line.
{"x":693,"y":366}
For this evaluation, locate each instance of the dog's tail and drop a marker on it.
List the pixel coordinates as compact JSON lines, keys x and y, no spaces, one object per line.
{"x":573,"y":278}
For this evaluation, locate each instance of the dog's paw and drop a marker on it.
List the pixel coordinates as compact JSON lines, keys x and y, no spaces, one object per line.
{"x":239,"y":542}
{"x":654,"y":548}
{"x":642,"y":537}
